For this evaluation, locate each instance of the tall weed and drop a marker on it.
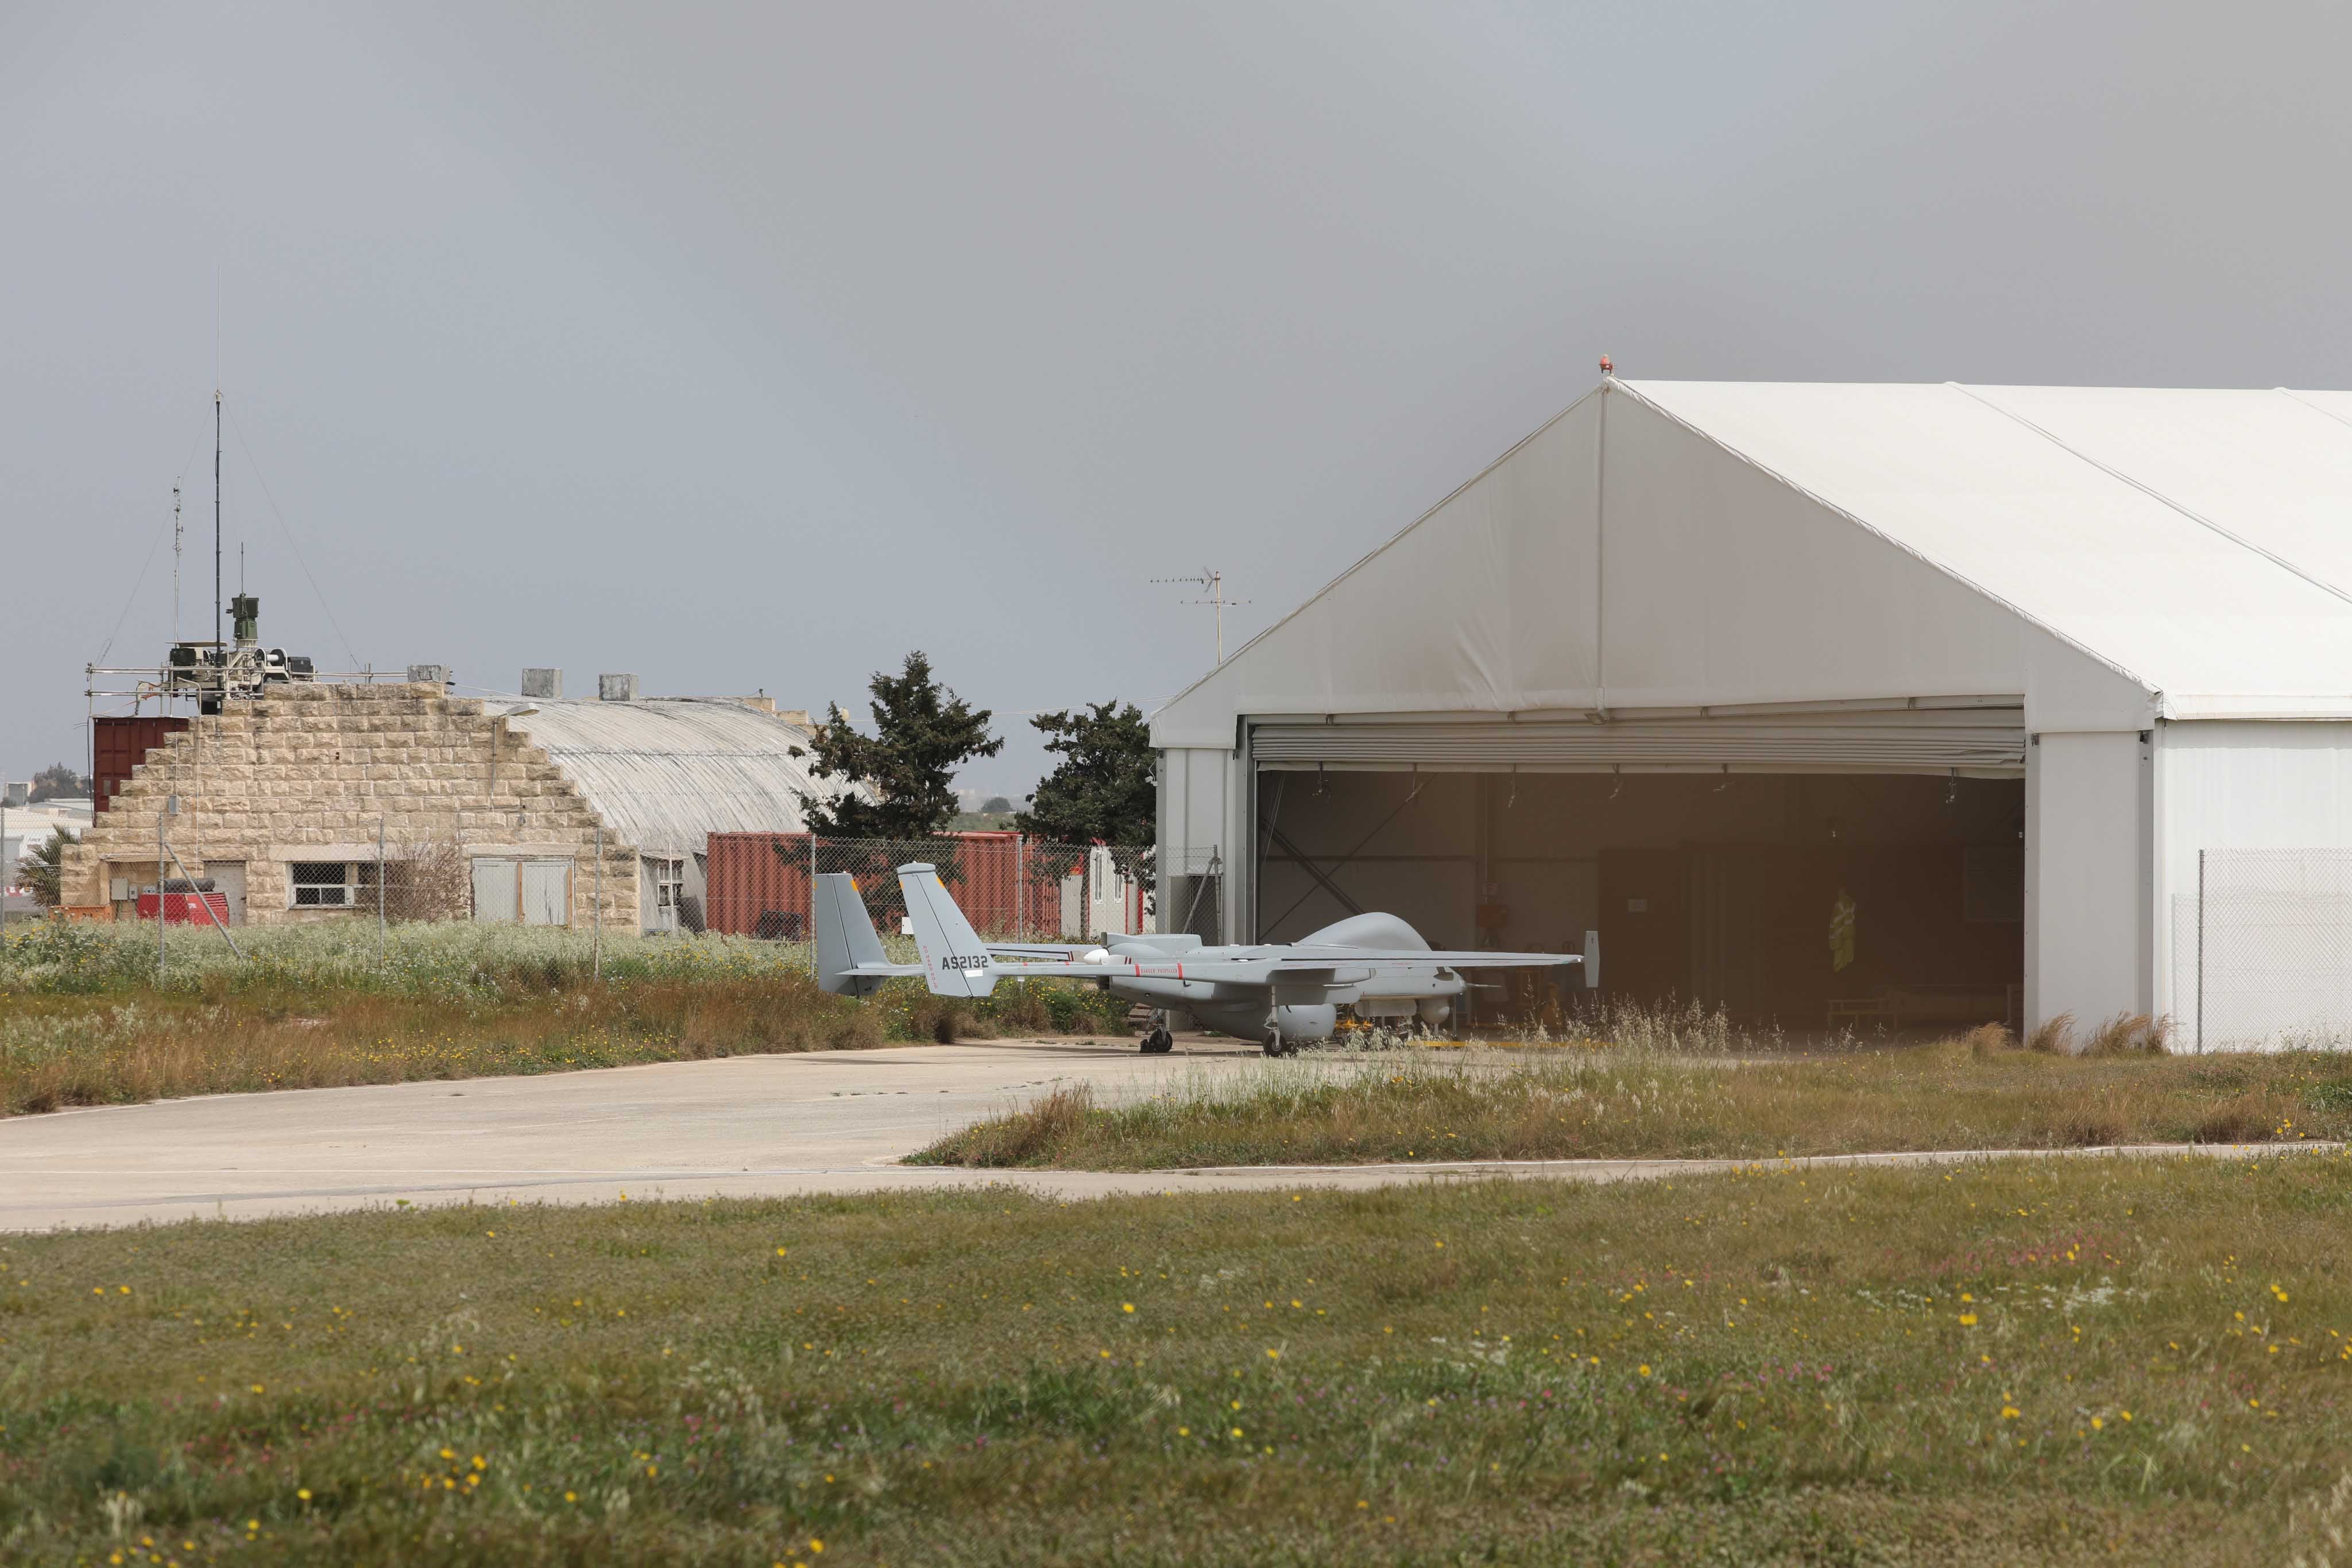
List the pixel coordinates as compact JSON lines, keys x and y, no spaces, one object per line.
{"x":1507,"y":1104}
{"x":85,"y":1021}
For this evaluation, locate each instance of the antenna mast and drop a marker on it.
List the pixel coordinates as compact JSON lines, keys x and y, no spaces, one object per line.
{"x":177,"y":531}
{"x":216,"y":517}
{"x":216,"y":456}
{"x":1214,"y":582}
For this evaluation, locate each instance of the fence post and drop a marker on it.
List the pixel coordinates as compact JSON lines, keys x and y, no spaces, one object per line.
{"x":379,"y":890}
{"x":2201,"y":952}
{"x":1020,"y":887}
{"x":170,"y":805}
{"x":808,"y":909}
{"x":597,"y":964}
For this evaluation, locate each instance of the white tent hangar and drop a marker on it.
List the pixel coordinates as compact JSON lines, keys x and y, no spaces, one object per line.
{"x":1916,"y":703}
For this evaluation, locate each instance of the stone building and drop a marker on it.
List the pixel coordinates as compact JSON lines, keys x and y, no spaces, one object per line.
{"x":484,"y":808}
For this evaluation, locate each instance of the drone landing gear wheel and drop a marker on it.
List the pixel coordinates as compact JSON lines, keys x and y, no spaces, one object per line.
{"x":1159,"y":1041}
{"x":1274,"y":1045}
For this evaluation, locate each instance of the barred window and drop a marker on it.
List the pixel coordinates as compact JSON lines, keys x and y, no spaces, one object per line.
{"x":329,"y":884}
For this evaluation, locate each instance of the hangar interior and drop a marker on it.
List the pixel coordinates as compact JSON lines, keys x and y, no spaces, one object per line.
{"x":1730,"y":890}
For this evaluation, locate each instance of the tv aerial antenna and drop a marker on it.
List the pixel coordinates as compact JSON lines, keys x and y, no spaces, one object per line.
{"x":1213,"y":582}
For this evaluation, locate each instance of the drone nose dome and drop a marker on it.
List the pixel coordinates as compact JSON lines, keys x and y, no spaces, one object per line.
{"x":1372,"y":929}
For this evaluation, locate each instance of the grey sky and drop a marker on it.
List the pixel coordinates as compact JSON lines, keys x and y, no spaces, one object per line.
{"x":751,"y":348}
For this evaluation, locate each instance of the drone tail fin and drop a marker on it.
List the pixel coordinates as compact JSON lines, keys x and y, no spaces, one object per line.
{"x":844,"y":937}
{"x":956,"y":962}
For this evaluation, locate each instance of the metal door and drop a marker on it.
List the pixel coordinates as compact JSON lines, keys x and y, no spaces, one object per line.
{"x":228,"y":880}
{"x":1982,"y":738}
{"x":546,"y":892}
{"x":495,"y":891}
{"x":1725,"y":915}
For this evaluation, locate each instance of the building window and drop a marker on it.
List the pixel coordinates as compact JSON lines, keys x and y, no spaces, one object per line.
{"x":332,"y":884}
{"x":661,"y":892}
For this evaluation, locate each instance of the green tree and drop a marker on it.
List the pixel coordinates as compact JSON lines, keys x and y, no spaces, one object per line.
{"x":41,"y":871}
{"x":58,"y":780}
{"x":1105,"y":784}
{"x":904,"y":772}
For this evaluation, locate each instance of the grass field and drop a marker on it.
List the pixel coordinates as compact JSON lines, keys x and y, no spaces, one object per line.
{"x":83,"y":1021}
{"x":1576,"y":1103}
{"x":2005,"y":1362}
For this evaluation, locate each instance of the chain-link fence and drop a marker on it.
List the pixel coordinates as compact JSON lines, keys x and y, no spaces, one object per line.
{"x":432,"y":880}
{"x":2261,"y":951}
{"x":1191,"y":886}
{"x":441,"y":879}
{"x":392,"y":881}
{"x":1012,"y":887}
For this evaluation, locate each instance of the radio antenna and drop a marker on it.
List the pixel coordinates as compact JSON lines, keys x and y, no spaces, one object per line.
{"x":216,"y":456}
{"x":216,"y":518}
{"x":1214,"y":582}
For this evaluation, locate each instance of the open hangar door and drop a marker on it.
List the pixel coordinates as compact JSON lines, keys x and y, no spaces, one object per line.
{"x":1857,"y":866}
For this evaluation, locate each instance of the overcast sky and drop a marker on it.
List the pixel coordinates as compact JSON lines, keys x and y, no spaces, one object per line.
{"x":749,"y":349}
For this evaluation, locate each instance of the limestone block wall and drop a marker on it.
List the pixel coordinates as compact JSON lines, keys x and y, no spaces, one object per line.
{"x":319,"y":766}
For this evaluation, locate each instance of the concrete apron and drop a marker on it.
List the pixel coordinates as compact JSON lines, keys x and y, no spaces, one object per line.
{"x":750,"y":1126}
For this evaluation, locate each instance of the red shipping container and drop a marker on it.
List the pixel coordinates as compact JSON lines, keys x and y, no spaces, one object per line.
{"x":758,"y":883}
{"x":121,"y":742}
{"x":182,"y":908}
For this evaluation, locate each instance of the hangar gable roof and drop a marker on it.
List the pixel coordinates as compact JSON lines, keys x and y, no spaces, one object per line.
{"x":2200,"y":541}
{"x":2131,"y":552}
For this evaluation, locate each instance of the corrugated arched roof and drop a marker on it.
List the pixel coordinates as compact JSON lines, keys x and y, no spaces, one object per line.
{"x":666,"y":772}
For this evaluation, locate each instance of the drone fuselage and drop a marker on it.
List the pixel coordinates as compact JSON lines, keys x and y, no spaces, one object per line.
{"x":1425,"y":993}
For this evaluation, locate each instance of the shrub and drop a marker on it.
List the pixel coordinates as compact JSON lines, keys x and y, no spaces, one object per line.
{"x":2053,"y":1037}
{"x":1988,"y":1039}
{"x":2129,"y":1034}
{"x":2243,"y":1120}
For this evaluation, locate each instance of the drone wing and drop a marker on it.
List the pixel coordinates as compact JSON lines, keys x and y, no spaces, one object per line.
{"x":957,"y":963}
{"x":1587,"y":962}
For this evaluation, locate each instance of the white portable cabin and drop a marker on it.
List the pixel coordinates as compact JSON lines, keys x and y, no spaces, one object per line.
{"x":2062,"y":676}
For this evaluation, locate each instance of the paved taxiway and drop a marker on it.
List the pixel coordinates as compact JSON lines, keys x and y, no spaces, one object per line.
{"x":742,"y":1127}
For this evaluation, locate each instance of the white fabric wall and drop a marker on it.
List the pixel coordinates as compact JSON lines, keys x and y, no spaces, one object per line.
{"x":1725,"y":586}
{"x":1195,"y":803}
{"x":2272,"y":466}
{"x":2089,"y":929}
{"x":1719,"y":584}
{"x":2241,"y":784}
{"x":1192,"y":805}
{"x":2073,"y":523}
{"x":1477,"y":607}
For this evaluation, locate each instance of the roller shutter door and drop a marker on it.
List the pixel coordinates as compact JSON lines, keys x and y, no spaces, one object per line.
{"x":1975,"y":742}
